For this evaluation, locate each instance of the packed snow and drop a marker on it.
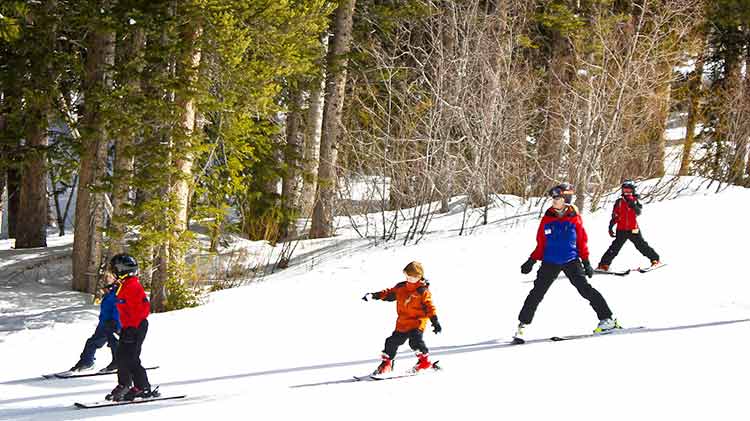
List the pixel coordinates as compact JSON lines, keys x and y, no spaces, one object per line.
{"x":286,"y":347}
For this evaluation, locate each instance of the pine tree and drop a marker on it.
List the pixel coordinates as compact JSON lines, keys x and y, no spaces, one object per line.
{"x":88,"y":246}
{"x":32,"y":67}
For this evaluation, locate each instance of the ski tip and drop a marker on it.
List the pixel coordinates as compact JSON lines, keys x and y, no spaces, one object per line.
{"x":610,"y":272}
{"x":64,"y":375}
{"x":103,"y":404}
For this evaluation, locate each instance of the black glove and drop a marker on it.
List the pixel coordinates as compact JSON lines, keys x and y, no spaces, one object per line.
{"x":435,"y":325}
{"x":612,"y":233}
{"x":588,"y":269}
{"x":366,"y":296}
{"x":636,"y":206}
{"x":526,"y":267}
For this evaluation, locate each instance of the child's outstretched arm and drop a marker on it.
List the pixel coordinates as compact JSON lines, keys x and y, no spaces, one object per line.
{"x":386,"y":295}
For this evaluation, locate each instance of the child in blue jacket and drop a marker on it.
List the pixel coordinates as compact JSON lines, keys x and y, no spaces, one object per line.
{"x":105,"y":332}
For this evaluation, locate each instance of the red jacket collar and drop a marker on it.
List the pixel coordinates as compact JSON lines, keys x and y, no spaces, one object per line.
{"x":567,"y":211}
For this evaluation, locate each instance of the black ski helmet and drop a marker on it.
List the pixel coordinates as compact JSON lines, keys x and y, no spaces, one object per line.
{"x":564,"y":190}
{"x":122,"y":265}
{"x":628,"y":184}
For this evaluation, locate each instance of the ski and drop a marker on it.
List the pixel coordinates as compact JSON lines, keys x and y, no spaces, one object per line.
{"x":620,"y":331}
{"x":397,"y":375}
{"x":74,"y":374}
{"x":104,"y":404}
{"x":612,"y":272}
{"x":650,"y":268}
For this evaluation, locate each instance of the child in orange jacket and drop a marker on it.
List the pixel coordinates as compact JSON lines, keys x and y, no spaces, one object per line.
{"x":414,"y":306}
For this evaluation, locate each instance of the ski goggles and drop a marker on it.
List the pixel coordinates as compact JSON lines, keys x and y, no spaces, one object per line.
{"x":557,"y":192}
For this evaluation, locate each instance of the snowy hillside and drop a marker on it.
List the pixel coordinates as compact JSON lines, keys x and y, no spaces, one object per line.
{"x":286,"y":348}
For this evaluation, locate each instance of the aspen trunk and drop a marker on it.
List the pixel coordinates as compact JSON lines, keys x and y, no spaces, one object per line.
{"x":169,"y":258}
{"x":312,"y":142}
{"x":322,"y":219}
{"x":292,"y":180}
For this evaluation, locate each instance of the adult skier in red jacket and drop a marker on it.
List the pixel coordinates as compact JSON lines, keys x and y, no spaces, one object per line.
{"x":134,"y":308}
{"x":625,"y":215}
{"x":562,"y":247}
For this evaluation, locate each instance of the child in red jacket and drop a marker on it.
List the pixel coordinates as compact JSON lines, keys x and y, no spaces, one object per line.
{"x":414,"y":307}
{"x":625,"y":213}
{"x":134,"y":308}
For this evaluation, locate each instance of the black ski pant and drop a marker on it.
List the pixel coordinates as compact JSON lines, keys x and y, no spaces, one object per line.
{"x":129,"y":368}
{"x":416,"y":342}
{"x":620,"y":238}
{"x":544,"y":278}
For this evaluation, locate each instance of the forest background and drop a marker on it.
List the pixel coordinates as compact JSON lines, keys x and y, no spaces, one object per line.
{"x":146,"y":122}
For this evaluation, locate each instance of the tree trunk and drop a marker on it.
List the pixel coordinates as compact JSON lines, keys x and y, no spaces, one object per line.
{"x":170,"y":256}
{"x":656,"y":140}
{"x":723,"y":133}
{"x":14,"y":200}
{"x":32,"y":216}
{"x":739,"y":162}
{"x":34,"y":89}
{"x":312,"y":149}
{"x":90,"y":207}
{"x":186,"y":103}
{"x":292,"y":181}
{"x":694,"y":96}
{"x":2,"y":201}
{"x":3,"y":168}
{"x":313,"y":131}
{"x":322,"y":219}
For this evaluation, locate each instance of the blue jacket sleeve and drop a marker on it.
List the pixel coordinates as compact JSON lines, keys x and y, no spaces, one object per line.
{"x":109,"y":309}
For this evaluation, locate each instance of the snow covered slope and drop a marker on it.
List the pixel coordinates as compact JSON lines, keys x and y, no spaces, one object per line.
{"x":286,"y":348}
